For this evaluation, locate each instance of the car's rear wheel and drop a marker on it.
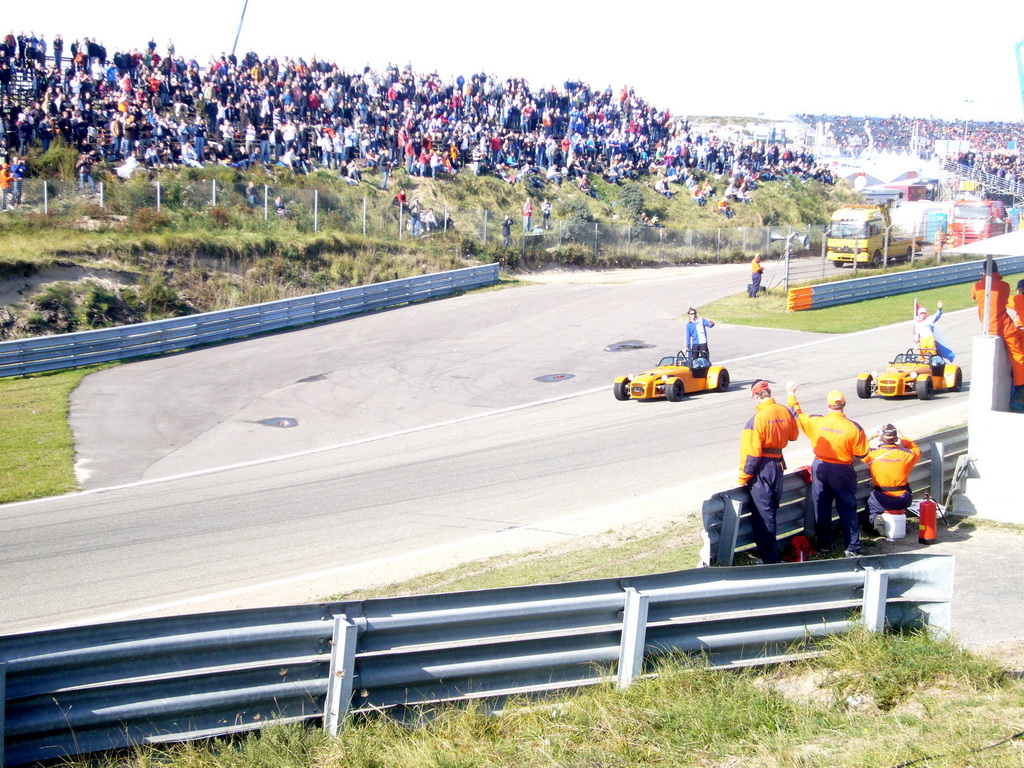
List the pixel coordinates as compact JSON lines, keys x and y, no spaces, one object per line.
{"x":723,"y":380}
{"x":925,"y":389}
{"x":621,"y":389}
{"x":674,"y":390}
{"x":958,"y":381}
{"x":864,"y":387}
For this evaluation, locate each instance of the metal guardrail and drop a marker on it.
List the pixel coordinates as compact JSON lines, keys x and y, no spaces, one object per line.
{"x":86,"y":689}
{"x":880,"y":286}
{"x":50,"y":353}
{"x":726,"y":515}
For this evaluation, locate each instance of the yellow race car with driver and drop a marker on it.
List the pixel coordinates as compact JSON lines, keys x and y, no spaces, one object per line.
{"x":675,"y":377}
{"x":914,"y":372}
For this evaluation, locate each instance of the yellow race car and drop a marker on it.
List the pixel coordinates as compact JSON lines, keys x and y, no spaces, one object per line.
{"x":912,"y":373}
{"x":675,"y":377}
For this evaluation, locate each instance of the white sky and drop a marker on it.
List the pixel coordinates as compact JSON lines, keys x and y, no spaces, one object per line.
{"x":739,"y":58}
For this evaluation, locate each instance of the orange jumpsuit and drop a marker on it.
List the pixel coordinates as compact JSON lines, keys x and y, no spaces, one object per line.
{"x":1017,"y":303}
{"x":761,"y":466}
{"x":890,"y":466}
{"x":836,"y":441}
{"x":1000,"y":323}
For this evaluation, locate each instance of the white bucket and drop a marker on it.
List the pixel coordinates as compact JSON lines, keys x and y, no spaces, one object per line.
{"x":894,"y":524}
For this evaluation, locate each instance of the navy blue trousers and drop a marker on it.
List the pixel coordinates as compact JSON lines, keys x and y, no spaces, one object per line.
{"x":835,"y":484}
{"x":766,"y":493}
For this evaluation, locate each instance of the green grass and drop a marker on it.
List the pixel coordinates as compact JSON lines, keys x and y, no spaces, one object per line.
{"x":770,"y":311}
{"x":36,"y":446}
{"x":609,"y":555}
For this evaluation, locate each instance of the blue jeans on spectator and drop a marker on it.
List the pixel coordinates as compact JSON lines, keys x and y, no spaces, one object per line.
{"x":84,"y":177}
{"x":265,"y":150}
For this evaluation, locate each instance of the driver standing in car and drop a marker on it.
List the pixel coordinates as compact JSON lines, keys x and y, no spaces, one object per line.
{"x":697,"y":335}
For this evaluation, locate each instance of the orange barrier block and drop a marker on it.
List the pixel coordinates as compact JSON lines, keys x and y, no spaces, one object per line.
{"x":800,"y":298}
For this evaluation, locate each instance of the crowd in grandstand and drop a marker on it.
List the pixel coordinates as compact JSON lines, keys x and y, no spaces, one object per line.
{"x":994,"y":145}
{"x":163,"y":110}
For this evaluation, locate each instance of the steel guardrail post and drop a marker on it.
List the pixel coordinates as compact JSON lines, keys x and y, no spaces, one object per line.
{"x":3,"y":708}
{"x":937,"y":467}
{"x":876,"y":587}
{"x":730,"y":530}
{"x":339,"y":683}
{"x":634,"y":636}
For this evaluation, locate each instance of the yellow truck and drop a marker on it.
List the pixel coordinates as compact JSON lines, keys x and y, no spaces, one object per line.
{"x":859,"y":233}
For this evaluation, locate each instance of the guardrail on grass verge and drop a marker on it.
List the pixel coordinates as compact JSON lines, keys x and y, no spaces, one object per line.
{"x":879,"y":286}
{"x":70,"y":350}
{"x":86,"y":689}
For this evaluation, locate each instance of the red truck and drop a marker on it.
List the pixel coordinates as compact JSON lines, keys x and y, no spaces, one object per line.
{"x":974,"y":220}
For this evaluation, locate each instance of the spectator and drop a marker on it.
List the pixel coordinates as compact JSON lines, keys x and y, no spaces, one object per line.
{"x":506,"y":230}
{"x":84,"y":168}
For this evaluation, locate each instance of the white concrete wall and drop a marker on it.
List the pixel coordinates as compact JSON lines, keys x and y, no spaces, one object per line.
{"x":993,"y":488}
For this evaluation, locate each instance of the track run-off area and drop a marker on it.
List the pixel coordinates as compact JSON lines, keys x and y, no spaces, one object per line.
{"x":289,"y":467}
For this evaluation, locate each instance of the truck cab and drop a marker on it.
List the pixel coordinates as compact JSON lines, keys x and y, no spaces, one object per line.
{"x":974,"y":220}
{"x":863,"y":234}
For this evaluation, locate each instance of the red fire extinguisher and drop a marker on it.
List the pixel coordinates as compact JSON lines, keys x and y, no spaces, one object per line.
{"x":926,"y":511}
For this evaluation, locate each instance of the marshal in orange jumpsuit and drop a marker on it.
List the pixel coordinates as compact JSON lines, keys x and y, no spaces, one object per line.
{"x":1000,"y":323}
{"x":890,"y":465}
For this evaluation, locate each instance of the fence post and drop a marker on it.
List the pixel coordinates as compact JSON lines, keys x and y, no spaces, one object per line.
{"x":730,"y":530}
{"x":401,"y":220}
{"x":634,"y":636}
{"x":595,"y":239}
{"x":316,"y":210}
{"x":718,"y":247}
{"x":364,"y":216}
{"x":339,"y":682}
{"x":446,"y":218}
{"x":629,"y":239}
{"x":102,"y":191}
{"x":485,"y":226}
{"x":158,"y":195}
{"x":213,"y":191}
{"x":266,"y":203}
{"x":559,"y":233}
{"x":689,"y":237}
{"x":937,"y":466}
{"x":46,"y":209}
{"x":876,"y":587}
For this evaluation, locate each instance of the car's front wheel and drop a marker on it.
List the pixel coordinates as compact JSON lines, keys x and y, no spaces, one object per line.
{"x":621,"y":389}
{"x":925,"y":389}
{"x":864,"y":388}
{"x":723,"y":381}
{"x":674,"y":390}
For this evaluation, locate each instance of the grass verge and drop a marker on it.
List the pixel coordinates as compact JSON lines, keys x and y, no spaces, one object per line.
{"x":36,"y":445}
{"x":770,"y":311}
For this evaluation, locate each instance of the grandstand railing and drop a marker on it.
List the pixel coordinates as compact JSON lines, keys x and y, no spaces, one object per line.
{"x":991,"y":183}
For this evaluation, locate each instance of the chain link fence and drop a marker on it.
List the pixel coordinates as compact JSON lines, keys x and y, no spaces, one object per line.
{"x":587,"y":242}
